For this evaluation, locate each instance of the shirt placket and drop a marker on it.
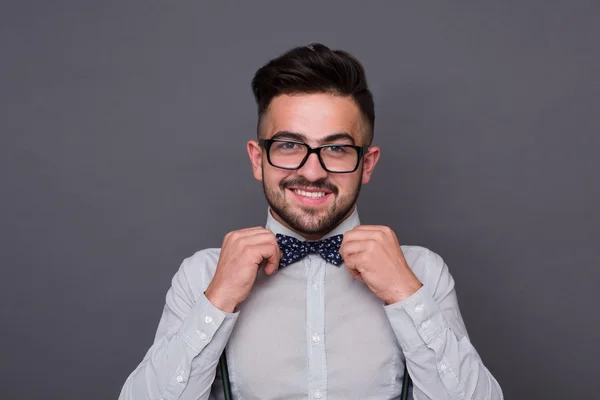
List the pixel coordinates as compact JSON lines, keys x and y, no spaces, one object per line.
{"x":315,"y":328}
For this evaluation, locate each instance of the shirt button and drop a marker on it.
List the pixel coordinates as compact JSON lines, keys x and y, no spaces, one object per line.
{"x":318,"y":395}
{"x":443,"y":367}
{"x":316,"y":338}
{"x":425,"y":324}
{"x":208,"y":320}
{"x":419,"y":308}
{"x":202,"y":335}
{"x":315,"y":286}
{"x":180,"y":379}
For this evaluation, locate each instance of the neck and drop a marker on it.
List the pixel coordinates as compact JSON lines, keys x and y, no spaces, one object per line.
{"x":305,"y":235}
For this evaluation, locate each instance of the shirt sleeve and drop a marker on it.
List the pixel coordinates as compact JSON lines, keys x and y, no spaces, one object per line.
{"x":441,"y":361}
{"x":192,"y":333}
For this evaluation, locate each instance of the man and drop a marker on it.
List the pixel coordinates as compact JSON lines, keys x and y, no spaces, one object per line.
{"x":314,"y":305}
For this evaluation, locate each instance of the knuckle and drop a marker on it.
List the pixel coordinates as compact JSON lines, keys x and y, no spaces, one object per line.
{"x":246,"y":250}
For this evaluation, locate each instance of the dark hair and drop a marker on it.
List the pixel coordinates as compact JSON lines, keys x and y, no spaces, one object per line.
{"x":314,"y":69}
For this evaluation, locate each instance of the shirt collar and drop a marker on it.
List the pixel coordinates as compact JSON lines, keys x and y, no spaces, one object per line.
{"x":276,"y":227}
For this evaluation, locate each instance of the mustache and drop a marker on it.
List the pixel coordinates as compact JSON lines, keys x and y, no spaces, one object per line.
{"x":321,"y":184}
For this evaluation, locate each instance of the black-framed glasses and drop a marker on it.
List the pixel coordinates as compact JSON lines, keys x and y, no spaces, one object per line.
{"x":290,"y":154}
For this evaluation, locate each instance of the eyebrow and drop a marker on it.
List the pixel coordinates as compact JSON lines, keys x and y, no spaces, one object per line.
{"x":302,"y":138}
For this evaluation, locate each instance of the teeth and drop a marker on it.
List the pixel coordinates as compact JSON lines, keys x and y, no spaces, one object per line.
{"x":312,"y":195}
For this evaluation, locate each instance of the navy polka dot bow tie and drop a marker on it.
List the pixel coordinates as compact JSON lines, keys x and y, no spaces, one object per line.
{"x":293,"y":250}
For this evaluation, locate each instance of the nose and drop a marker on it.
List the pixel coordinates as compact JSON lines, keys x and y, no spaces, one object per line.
{"x":312,"y":169}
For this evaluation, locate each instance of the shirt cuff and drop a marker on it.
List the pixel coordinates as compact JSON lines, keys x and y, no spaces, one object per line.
{"x":416,"y":320}
{"x":202,"y":324}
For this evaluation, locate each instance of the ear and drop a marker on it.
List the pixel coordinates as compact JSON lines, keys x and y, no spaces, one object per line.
{"x":255,"y":154}
{"x":369,"y":161}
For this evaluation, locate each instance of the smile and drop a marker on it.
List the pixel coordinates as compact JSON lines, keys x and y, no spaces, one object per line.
{"x":311,"y":195}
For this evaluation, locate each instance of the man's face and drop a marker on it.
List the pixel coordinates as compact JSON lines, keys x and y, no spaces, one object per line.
{"x":311,"y":200}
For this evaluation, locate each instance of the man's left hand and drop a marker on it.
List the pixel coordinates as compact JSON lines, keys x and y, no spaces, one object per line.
{"x":373,"y":255}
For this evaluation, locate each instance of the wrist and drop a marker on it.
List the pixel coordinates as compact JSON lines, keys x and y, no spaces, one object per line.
{"x":402,"y":293}
{"x":220,"y":300}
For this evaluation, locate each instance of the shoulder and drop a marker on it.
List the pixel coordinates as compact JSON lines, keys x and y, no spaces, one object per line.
{"x":202,"y":259}
{"x":196,"y":272}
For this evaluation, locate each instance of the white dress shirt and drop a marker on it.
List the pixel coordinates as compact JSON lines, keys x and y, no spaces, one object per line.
{"x":311,"y":331}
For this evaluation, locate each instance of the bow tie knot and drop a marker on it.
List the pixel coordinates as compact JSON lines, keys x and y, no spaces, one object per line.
{"x":293,"y":250}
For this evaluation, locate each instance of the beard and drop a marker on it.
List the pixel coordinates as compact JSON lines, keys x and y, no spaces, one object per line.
{"x":306,"y":220}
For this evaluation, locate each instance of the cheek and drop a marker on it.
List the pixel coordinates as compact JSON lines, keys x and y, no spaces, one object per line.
{"x":346,"y":184}
{"x":272,"y":177}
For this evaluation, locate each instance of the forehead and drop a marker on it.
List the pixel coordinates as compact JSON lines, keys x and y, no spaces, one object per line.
{"x":313,"y":115}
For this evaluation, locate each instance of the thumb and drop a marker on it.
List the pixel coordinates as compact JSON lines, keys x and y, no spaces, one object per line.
{"x":272,"y":262}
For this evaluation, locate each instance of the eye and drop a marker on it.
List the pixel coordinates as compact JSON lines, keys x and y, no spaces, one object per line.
{"x":337,"y":149}
{"x":288,"y":145}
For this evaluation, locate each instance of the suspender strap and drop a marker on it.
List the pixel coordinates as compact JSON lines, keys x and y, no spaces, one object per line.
{"x":225,"y":377}
{"x":406,"y":381}
{"x":227,"y":385}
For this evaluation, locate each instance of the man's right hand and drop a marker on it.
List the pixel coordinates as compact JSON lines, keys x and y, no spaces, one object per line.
{"x":242,"y":254}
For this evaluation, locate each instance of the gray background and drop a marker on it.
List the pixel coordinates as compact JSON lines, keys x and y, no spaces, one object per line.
{"x":122,"y":151}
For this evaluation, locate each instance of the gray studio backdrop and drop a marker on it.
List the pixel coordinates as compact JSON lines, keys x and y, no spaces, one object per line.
{"x":122,"y":151}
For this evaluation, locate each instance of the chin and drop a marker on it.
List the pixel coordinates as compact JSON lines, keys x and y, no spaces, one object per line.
{"x":312,"y":226}
{"x":312,"y":221}
{"x":309,"y":219}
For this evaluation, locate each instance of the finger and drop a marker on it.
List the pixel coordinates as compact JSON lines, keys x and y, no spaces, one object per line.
{"x":371,"y":227}
{"x":253,"y":228}
{"x":357,"y":246}
{"x":356,"y":275}
{"x":361,"y":234}
{"x":374,"y":235}
{"x":351,"y":266}
{"x":352,"y":247}
{"x":266,"y":245}
{"x":242,"y":233}
{"x":257,"y":238}
{"x":251,"y":231}
{"x":376,"y":230}
{"x":269,"y":253}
